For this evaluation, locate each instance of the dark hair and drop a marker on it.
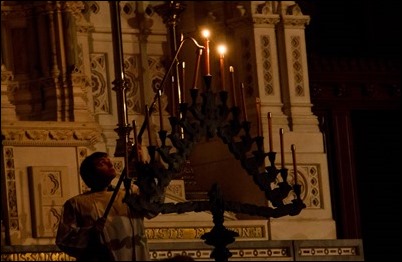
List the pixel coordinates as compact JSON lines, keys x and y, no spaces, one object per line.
{"x":88,"y":168}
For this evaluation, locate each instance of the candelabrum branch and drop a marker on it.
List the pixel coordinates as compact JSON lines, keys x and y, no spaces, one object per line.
{"x":151,"y":107}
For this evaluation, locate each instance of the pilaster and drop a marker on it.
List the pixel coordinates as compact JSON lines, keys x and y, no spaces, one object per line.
{"x":293,"y":67}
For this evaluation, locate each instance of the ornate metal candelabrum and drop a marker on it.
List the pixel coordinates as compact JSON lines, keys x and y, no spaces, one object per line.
{"x":207,"y":115}
{"x":208,"y":118}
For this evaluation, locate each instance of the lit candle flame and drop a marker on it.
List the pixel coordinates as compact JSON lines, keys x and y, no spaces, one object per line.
{"x":206,"y":34}
{"x":222,"y":51}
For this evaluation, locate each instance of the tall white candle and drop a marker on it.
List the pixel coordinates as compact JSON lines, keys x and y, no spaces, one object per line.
{"x":148,"y":125}
{"x":183,"y":86}
{"x":282,"y":150}
{"x":231,"y":70}
{"x":243,"y":98}
{"x":293,"y":148}
{"x":197,"y":66}
{"x":270,"y":131}
{"x":258,"y":107}
{"x":160,"y":109}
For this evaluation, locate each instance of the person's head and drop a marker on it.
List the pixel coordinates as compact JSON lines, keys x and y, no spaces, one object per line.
{"x":97,"y":171}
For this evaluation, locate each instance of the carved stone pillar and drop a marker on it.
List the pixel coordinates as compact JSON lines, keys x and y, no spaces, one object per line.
{"x":294,"y":71}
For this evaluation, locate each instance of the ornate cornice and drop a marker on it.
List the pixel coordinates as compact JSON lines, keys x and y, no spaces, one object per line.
{"x":75,"y":7}
{"x":15,"y":11}
{"x":6,"y":75}
{"x":295,"y":21}
{"x":265,"y":19}
{"x":38,"y":133}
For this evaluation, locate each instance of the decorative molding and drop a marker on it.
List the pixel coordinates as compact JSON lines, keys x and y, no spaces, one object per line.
{"x":38,"y":133}
{"x":176,"y":188}
{"x":82,"y":153}
{"x":6,"y":75}
{"x":291,"y":250}
{"x":247,"y":65}
{"x":36,"y":256}
{"x":309,"y":176}
{"x":266,"y":58}
{"x":194,"y":233}
{"x":99,"y":83}
{"x":132,"y":83}
{"x":9,"y":169}
{"x":295,"y":22}
{"x":266,"y":20}
{"x":338,"y":249}
{"x":76,"y":8}
{"x":297,"y":65}
{"x":49,"y":189}
{"x":241,"y":253}
{"x":16,"y":11}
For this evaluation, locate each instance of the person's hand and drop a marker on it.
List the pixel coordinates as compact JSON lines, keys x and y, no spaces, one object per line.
{"x":134,"y":189}
{"x":100,"y":224}
{"x":143,"y":154}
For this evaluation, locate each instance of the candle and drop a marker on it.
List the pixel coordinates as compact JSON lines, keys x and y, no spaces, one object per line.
{"x":160,"y":109}
{"x":243,"y":102}
{"x":231,"y":70}
{"x":293,"y":148}
{"x":183,"y":86}
{"x":136,"y":140}
{"x":222,"y":51}
{"x":270,"y":131}
{"x":258,"y":107}
{"x":178,"y":93}
{"x":197,"y":65}
{"x":282,"y":151}
{"x":206,"y":34}
{"x":148,"y":125}
{"x":173,"y":113}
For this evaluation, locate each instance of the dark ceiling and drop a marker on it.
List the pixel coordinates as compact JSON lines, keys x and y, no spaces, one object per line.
{"x":354,"y":28}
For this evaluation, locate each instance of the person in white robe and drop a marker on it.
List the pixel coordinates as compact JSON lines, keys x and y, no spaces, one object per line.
{"x":84,"y":232}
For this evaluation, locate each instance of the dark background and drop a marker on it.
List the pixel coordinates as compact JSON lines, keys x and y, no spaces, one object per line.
{"x":355,"y":28}
{"x":366,"y":30}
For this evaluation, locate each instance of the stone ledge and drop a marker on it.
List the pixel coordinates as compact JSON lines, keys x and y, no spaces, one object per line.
{"x":278,"y":250}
